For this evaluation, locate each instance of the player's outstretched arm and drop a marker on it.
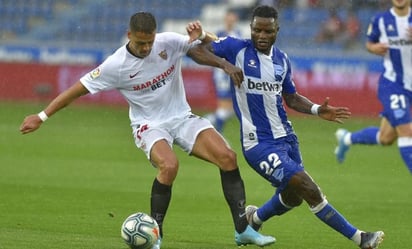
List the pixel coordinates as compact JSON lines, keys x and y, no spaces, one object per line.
{"x":331,"y":113}
{"x":33,"y":122}
{"x":302,"y":104}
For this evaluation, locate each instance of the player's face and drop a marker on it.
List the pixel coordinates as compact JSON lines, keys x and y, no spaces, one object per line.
{"x":141,"y":43}
{"x":401,"y":4}
{"x":263,"y":32}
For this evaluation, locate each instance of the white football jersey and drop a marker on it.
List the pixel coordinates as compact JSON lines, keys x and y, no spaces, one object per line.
{"x":153,"y":86}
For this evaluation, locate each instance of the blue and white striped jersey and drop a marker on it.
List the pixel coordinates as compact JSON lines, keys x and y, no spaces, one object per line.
{"x":387,"y":27}
{"x":258,"y":101}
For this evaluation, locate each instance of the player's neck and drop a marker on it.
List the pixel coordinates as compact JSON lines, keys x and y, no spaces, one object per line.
{"x":402,"y":11}
{"x":130,"y":50}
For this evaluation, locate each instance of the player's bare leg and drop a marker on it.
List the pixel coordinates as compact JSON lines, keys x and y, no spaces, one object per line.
{"x":162,"y":157}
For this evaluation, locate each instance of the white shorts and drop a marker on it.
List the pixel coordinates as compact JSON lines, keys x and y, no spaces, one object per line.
{"x":182,"y":132}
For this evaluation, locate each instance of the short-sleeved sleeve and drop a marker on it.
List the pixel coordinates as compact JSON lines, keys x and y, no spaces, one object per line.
{"x":104,"y":77}
{"x":373,"y":32}
{"x":288,"y":83}
{"x":228,"y":47}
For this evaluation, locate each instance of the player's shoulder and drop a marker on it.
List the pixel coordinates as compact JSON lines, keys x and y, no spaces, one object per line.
{"x":231,"y":41}
{"x":386,"y":14}
{"x":278,"y":52}
{"x":117,"y":56}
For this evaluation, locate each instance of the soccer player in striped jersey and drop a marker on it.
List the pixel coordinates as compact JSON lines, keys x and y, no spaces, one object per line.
{"x":262,"y":79}
{"x":390,"y":36}
{"x":147,"y":72}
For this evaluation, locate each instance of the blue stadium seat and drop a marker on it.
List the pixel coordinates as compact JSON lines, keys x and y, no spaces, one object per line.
{"x":105,"y":22}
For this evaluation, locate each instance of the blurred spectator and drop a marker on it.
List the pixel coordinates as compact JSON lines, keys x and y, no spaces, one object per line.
{"x":242,"y":8}
{"x":278,"y":4}
{"x":230,"y":22}
{"x":224,"y":110}
{"x":350,"y":36}
{"x":313,"y":3}
{"x":371,"y":4}
{"x":331,"y":29}
{"x":273,"y":3}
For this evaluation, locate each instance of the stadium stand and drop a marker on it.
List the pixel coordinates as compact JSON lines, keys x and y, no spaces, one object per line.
{"x":103,"y":23}
{"x":79,"y":22}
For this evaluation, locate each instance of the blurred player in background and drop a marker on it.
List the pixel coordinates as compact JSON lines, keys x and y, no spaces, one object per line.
{"x":224,"y":110}
{"x":390,"y":36}
{"x":269,"y":142}
{"x":147,"y":72}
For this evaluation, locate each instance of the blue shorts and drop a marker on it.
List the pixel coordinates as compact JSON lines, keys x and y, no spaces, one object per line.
{"x":276,"y":160}
{"x":396,"y":102}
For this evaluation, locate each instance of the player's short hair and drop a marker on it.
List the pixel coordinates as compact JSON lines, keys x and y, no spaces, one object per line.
{"x":143,"y":22}
{"x":265,"y":11}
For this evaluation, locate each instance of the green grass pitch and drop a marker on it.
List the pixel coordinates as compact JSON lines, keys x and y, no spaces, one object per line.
{"x":73,"y":182}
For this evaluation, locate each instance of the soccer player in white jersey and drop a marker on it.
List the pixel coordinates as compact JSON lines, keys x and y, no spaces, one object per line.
{"x":262,"y":79}
{"x":147,"y":72}
{"x":390,"y":36}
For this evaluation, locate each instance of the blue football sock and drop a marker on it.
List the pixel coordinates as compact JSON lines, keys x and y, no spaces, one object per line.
{"x":405,"y":148}
{"x":329,"y":215}
{"x":368,"y":135}
{"x":271,"y":208}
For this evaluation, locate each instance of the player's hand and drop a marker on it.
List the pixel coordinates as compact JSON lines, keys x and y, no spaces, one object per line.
{"x":331,"y":113}
{"x":235,"y":73}
{"x":380,"y":48}
{"x":194,"y":30}
{"x":30,"y":124}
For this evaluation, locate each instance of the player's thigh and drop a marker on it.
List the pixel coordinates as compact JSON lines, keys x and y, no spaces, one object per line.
{"x":212,"y":147}
{"x":163,"y":156}
{"x":197,"y":136}
{"x":305,"y":187}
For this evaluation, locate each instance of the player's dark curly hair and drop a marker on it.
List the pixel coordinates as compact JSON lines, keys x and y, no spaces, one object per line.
{"x":265,"y":11}
{"x":142,"y":22}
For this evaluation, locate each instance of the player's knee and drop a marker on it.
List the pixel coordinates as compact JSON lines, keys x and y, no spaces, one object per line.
{"x":294,"y":201}
{"x":314,"y":196}
{"x":168,"y":170}
{"x":306,"y":188}
{"x":227,"y":159}
{"x":315,"y":208}
{"x":386,"y":140}
{"x":289,"y":198}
